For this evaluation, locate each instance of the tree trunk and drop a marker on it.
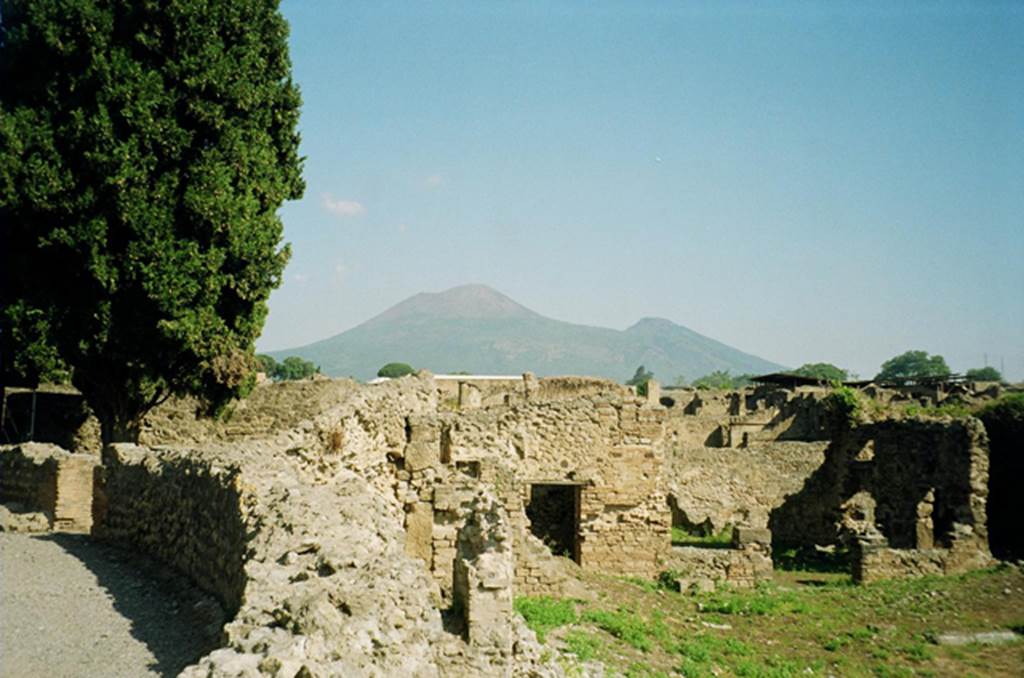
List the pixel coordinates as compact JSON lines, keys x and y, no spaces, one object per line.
{"x":119,"y":427}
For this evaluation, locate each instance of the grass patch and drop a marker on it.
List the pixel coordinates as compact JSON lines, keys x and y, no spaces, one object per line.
{"x":585,"y":646}
{"x":809,"y":559}
{"x":544,"y":614}
{"x":948,"y":409}
{"x":764,"y":600}
{"x":722,"y":540}
{"x":624,"y":625}
{"x":800,"y":625}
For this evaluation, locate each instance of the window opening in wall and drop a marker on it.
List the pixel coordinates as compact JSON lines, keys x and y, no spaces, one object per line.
{"x":685,"y":532}
{"x":469,"y":468}
{"x":554,"y":513}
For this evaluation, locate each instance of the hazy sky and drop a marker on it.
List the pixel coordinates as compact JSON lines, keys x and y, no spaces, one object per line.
{"x":804,"y":181}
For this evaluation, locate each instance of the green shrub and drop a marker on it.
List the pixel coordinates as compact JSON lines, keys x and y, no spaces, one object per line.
{"x":844,"y":406}
{"x":395,"y":370}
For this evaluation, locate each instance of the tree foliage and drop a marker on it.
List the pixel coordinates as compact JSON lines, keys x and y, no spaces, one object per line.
{"x":913,"y":364}
{"x":292,"y":368}
{"x":640,"y":377}
{"x":722,"y":379}
{"x":823,"y":371}
{"x":395,"y":370}
{"x":145,"y":148}
{"x":984,"y":374}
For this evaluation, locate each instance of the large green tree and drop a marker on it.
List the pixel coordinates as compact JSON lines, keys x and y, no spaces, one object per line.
{"x":984,"y":374}
{"x":145,"y":148}
{"x":913,"y":364}
{"x":825,"y":371}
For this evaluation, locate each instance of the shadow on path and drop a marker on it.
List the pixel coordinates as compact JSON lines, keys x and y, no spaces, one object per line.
{"x":175,"y":620}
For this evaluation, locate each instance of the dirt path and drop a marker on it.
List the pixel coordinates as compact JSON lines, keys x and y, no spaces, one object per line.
{"x":72,"y":607}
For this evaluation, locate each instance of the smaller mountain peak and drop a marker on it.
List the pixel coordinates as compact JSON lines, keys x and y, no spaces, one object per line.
{"x":651,"y":323}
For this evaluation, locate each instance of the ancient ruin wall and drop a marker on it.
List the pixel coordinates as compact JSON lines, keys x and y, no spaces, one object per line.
{"x":719,"y":487}
{"x":909,"y":496}
{"x":43,"y":477}
{"x":604,"y":444}
{"x":182,"y":510}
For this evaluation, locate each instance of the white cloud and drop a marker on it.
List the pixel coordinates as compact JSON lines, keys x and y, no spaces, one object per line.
{"x":343,"y":208}
{"x":300,"y":277}
{"x":434,"y":181}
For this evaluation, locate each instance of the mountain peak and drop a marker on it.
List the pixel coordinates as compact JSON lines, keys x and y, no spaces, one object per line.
{"x":464,"y":301}
{"x":652,"y":324}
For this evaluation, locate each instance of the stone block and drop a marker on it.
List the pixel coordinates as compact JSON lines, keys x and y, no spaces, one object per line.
{"x":744,"y":536}
{"x":419,"y":527}
{"x":422,"y":455}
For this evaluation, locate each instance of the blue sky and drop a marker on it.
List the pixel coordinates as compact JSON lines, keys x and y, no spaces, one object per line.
{"x":804,"y":181}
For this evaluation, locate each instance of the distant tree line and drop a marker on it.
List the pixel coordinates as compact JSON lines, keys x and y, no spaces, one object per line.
{"x":292,"y":368}
{"x":907,"y":366}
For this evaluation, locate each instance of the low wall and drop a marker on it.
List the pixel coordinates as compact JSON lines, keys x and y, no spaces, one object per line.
{"x":748,"y":562}
{"x":43,"y":477}
{"x":180,"y":510}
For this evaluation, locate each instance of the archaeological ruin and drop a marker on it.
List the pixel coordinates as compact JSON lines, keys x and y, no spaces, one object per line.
{"x":385,"y":529}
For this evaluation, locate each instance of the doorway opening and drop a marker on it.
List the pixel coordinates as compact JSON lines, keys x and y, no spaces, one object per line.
{"x":554,"y":513}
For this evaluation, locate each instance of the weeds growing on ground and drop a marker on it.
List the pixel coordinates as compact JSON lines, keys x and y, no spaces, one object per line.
{"x":789,"y":628}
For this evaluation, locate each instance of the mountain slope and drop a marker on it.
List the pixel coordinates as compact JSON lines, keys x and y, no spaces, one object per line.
{"x":476,"y":329}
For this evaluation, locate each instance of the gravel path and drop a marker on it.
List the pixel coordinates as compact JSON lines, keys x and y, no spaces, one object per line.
{"x":73,"y":607}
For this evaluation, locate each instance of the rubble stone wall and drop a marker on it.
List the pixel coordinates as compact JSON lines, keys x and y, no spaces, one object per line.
{"x":181,"y":510}
{"x":720,"y":487}
{"x":43,"y":477}
{"x":747,"y":562}
{"x":606,"y":444}
{"x":914,"y":484}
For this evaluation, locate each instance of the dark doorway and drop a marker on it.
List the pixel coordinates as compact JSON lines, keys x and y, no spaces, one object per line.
{"x":554,"y":518}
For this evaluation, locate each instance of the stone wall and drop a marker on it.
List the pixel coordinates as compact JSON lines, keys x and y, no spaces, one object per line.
{"x":605,"y":444}
{"x":44,"y":478}
{"x":484,"y":575}
{"x":721,"y":487}
{"x":182,"y":510}
{"x":747,"y":562}
{"x":900,"y":486}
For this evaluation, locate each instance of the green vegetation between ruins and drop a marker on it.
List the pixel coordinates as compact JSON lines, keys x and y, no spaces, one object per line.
{"x":723,"y":539}
{"x":802,"y":624}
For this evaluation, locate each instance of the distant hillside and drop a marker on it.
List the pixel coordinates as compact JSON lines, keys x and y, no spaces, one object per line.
{"x":476,"y":329}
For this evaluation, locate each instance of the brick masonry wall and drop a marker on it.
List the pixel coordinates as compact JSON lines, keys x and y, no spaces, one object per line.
{"x":46,"y":478}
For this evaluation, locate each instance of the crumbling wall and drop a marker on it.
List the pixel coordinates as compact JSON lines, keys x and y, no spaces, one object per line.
{"x":747,"y":562}
{"x":45,"y":478}
{"x":270,"y":409}
{"x":903,"y":485}
{"x":61,"y":418}
{"x":483,"y":577}
{"x":721,"y":487}
{"x":605,"y":444}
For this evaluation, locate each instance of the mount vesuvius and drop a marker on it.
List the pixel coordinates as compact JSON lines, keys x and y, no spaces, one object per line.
{"x":476,"y":329}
